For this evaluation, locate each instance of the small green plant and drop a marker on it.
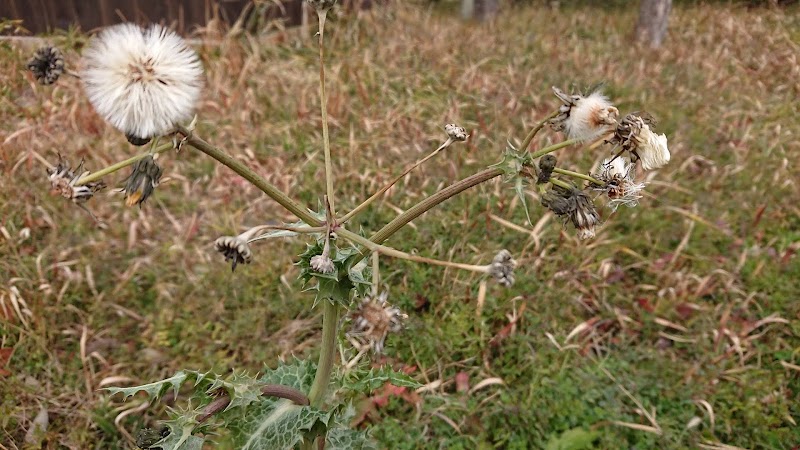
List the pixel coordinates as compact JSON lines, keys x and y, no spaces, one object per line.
{"x":146,"y":82}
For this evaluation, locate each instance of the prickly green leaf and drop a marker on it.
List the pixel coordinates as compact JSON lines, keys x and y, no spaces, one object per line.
{"x":347,"y":439}
{"x":242,"y":389}
{"x":338,"y":285}
{"x":299,"y":375}
{"x":159,"y":388}
{"x":181,"y":428}
{"x":274,"y":424}
{"x":519,"y":188}
{"x":513,"y":161}
{"x":366,"y":382}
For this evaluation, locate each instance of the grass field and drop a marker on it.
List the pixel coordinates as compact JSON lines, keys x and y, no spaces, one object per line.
{"x":683,"y":315}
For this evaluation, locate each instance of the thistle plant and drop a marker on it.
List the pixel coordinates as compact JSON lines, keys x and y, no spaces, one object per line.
{"x":145,"y":82}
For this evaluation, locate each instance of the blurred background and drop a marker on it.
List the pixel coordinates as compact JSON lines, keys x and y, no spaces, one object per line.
{"x":677,"y":327}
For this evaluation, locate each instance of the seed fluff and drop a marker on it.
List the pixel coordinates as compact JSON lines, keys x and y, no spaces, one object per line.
{"x":142,"y":81}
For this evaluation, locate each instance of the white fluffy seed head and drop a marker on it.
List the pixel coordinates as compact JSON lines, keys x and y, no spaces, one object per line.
{"x":142,"y":81}
{"x":652,"y":149}
{"x":615,"y":167}
{"x":621,"y":189}
{"x":590,"y":117}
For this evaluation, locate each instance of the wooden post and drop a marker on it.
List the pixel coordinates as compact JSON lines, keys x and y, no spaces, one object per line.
{"x":480,"y":10}
{"x":652,"y":24}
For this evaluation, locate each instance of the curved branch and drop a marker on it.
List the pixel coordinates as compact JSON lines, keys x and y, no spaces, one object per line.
{"x":269,"y":390}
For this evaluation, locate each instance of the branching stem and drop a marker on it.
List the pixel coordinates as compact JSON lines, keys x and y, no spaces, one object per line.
{"x":249,"y":175}
{"x":582,"y":176}
{"x":394,"y":181}
{"x":322,"y":14}
{"x":536,"y":129}
{"x":388,"y":251}
{"x":268,"y":390}
{"x":121,"y":165}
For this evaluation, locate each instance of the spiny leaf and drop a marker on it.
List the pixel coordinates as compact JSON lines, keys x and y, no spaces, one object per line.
{"x":338,"y":285}
{"x":519,"y":188}
{"x":299,"y":375}
{"x":157,"y":389}
{"x":272,"y":424}
{"x":363,"y":381}
{"x":181,"y":428}
{"x":512,"y":163}
{"x":347,"y":439}
{"x":241,"y":388}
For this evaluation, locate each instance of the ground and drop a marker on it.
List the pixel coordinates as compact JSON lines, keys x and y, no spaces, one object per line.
{"x":677,"y":327}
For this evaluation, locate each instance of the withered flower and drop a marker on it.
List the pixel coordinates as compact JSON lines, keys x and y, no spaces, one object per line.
{"x":373,"y":320}
{"x":634,"y":134}
{"x":456,"y":132}
{"x":584,"y":117}
{"x":322,"y":264}
{"x":142,"y":181}
{"x":618,"y":174}
{"x":573,"y":205}
{"x":63,"y":181}
{"x":47,"y":65}
{"x":502,"y":268}
{"x":237,"y":248}
{"x":546,"y":166}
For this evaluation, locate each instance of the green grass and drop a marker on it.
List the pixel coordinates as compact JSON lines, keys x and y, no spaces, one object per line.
{"x":149,"y":296}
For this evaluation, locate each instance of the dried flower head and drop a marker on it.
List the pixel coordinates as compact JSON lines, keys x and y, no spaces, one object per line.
{"x":573,"y":205}
{"x":63,"y":182}
{"x":634,"y":134}
{"x":237,"y":248}
{"x":373,"y":320}
{"x":322,"y":5}
{"x":322,"y":264}
{"x":142,"y":181}
{"x":456,"y":132}
{"x":502,"y":268}
{"x":618,"y":174}
{"x":142,"y":81}
{"x":47,"y":65}
{"x":546,"y":166}
{"x":584,"y":117}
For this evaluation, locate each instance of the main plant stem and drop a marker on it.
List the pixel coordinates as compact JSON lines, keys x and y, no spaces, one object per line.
{"x":330,"y":322}
{"x":248,"y":174}
{"x":326,"y":143}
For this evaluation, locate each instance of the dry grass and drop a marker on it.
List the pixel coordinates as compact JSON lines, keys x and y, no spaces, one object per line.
{"x":689,"y":302}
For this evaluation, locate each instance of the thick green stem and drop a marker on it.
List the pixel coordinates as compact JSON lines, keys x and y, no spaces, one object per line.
{"x":554,"y":147}
{"x":536,"y":129}
{"x":248,"y":174}
{"x":326,"y":143}
{"x":430,"y":202}
{"x":582,"y":176}
{"x":330,"y":323}
{"x":121,"y":165}
{"x":560,"y":183}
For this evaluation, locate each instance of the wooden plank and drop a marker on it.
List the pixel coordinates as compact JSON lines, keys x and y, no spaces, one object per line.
{"x":45,"y":16}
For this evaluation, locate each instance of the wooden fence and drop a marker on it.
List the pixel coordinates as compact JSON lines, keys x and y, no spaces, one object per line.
{"x":42,"y":16}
